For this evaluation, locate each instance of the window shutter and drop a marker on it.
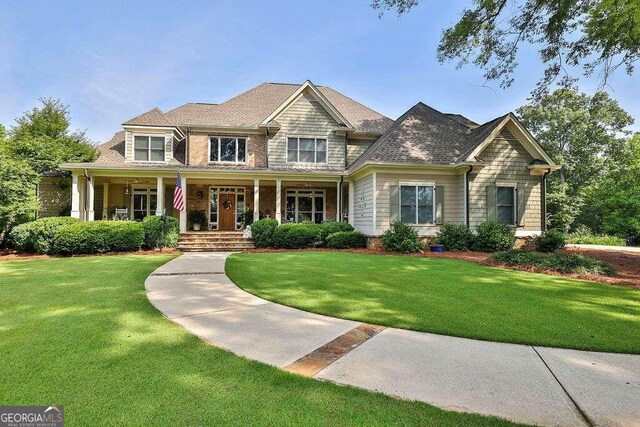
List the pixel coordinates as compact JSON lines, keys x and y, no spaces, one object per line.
{"x":492,"y":203}
{"x":439,"y":204}
{"x":521,"y":204}
{"x":168,"y":148}
{"x":394,"y":203}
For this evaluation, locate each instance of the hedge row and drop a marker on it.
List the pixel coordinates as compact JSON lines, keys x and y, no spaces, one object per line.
{"x":490,"y":236}
{"x":64,"y":235}
{"x":268,"y":234}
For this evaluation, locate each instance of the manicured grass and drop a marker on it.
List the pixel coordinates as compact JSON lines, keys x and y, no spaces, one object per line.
{"x":448,"y":297}
{"x":79,"y":332}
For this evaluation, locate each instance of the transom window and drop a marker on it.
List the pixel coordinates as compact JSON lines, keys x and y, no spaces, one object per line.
{"x":305,"y":205}
{"x":506,"y":206}
{"x":148,"y":148}
{"x":227,"y":149}
{"x":306,"y":150}
{"x":416,"y":204}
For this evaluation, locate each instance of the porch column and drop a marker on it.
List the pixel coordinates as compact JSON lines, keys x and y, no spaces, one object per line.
{"x":279,"y":201}
{"x":159,"y":197}
{"x":183,"y":212}
{"x":256,"y":199}
{"x":90,"y":199}
{"x":75,"y":197}
{"x":105,"y":201}
{"x":338,"y":210}
{"x":352,"y":198}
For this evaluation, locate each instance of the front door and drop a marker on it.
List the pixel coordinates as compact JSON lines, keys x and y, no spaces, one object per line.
{"x":226,"y":212}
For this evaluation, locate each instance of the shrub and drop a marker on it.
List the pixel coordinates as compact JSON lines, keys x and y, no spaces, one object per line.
{"x":197,"y":217}
{"x":454,"y":237}
{"x":583,"y":236}
{"x":565,"y":263}
{"x":262,"y":232}
{"x":401,"y":237}
{"x":494,"y":236}
{"x":329,"y":227}
{"x":297,"y":236}
{"x":550,"y":241}
{"x":346,"y":239}
{"x":159,"y":232}
{"x":99,"y":236}
{"x":37,"y":236}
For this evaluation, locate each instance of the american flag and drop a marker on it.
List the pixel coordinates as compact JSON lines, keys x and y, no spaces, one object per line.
{"x":178,"y":196}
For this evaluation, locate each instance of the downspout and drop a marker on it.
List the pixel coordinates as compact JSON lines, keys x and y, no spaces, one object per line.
{"x":186,"y":147}
{"x":543,"y":197}
{"x":339,"y":207}
{"x":466,"y":195}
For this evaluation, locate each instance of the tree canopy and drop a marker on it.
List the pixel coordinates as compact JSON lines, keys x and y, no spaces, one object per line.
{"x":598,"y":35}
{"x":41,"y":137}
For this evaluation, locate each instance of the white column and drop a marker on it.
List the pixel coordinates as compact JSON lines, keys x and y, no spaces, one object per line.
{"x":256,"y":199}
{"x":160,"y":197}
{"x":75,"y":197}
{"x":279,"y":201}
{"x":352,"y":199}
{"x":105,"y":200}
{"x":90,"y":199}
{"x":183,"y":212}
{"x":338,"y":213}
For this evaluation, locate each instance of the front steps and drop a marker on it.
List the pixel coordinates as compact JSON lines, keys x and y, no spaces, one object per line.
{"x":214,"y":241}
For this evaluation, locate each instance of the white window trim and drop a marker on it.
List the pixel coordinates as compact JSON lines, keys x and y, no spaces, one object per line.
{"x":296,"y":192}
{"x":149,"y":136}
{"x":228,"y":162}
{"x":315,"y":149}
{"x":148,"y":191}
{"x":514,"y":189}
{"x":417,"y":184}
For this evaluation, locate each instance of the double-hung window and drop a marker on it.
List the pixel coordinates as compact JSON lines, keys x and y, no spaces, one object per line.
{"x":506,"y":204}
{"x":417,"y":205}
{"x":148,"y":148}
{"x":306,"y":150}
{"x":228,"y":149}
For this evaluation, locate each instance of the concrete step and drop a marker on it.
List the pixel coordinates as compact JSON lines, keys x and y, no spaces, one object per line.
{"x":214,"y":248}
{"x":213,"y":239}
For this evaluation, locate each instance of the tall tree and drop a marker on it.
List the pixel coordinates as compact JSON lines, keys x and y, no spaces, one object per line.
{"x":598,"y":35}
{"x":582,"y":134}
{"x":41,"y":137}
{"x":17,"y":193}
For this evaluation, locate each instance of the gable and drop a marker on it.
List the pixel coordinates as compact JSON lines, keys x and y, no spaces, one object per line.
{"x":308,"y":115}
{"x":505,"y":149}
{"x":308,"y":91}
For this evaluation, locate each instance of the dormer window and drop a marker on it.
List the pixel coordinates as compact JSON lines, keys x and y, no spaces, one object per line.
{"x":148,"y":148}
{"x":306,"y":150}
{"x":227,"y":149}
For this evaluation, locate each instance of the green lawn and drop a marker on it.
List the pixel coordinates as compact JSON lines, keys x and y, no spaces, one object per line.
{"x":79,"y":332}
{"x":448,"y":297}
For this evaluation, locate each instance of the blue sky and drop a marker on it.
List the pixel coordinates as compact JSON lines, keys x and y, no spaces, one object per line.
{"x":112,"y":61}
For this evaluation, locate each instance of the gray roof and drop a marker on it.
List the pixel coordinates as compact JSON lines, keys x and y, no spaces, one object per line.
{"x":250,"y":108}
{"x":463,"y":120}
{"x":153,"y":117}
{"x":424,"y":135}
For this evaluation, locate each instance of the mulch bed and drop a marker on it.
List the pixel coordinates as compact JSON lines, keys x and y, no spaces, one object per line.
{"x":626,"y":263}
{"x":10,"y":255}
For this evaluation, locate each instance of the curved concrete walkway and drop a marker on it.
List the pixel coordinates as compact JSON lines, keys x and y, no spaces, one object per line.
{"x":528,"y":384}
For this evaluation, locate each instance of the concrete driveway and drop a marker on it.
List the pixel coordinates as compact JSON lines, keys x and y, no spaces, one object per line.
{"x":534,"y":385}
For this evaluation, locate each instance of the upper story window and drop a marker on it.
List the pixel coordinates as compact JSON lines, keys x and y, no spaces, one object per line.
{"x":306,"y":150}
{"x":227,"y":149}
{"x":148,"y":148}
{"x":417,"y":205}
{"x":506,"y":204}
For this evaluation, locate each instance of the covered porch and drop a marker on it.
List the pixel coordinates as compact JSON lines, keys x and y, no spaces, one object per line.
{"x":229,"y":203}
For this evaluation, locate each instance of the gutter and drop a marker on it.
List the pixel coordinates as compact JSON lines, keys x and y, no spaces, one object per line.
{"x":86,"y":199}
{"x":339,"y":207}
{"x":466,"y":195}
{"x":543,"y":200}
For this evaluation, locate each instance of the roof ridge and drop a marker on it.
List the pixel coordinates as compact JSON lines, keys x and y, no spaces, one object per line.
{"x":154,"y":109}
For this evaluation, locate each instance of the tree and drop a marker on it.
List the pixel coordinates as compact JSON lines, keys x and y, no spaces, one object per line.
{"x":41,"y":137}
{"x":612,"y":204}
{"x":580,"y":133}
{"x":599,"y":35}
{"x":17,"y":193}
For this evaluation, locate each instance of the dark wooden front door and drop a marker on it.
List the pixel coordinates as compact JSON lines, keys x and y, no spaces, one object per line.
{"x":226,"y":212}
